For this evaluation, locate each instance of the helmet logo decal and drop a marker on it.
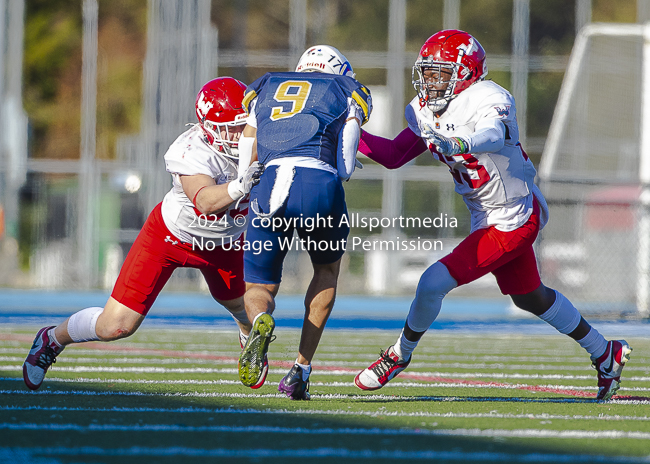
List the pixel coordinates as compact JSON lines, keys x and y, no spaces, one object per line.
{"x":204,"y":105}
{"x":345,"y":68}
{"x":467,"y":49}
{"x":315,"y":64}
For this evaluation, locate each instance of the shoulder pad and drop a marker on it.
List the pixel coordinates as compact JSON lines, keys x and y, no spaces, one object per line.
{"x":252,"y":91}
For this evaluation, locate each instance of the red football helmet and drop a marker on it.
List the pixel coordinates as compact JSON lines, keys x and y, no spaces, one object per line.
{"x":455,"y":52}
{"x":218,"y":107}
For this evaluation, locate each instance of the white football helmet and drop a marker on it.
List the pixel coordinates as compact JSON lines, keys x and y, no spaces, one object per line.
{"x":325,"y":59}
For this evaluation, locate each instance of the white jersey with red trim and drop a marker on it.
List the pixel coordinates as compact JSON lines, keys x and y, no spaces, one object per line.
{"x":497,"y":186}
{"x":190,"y":155}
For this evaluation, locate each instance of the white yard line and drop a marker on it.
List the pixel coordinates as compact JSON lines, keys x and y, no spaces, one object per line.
{"x":461,"y":432}
{"x":64,"y":360}
{"x":137,"y":370}
{"x":317,"y":372}
{"x":357,"y":364}
{"x":337,"y":412}
{"x":321,"y":357}
{"x":395,"y":384}
{"x":342,"y":352}
{"x":382,"y":398}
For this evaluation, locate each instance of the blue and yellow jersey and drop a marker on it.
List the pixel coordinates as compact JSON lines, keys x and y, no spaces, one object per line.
{"x":301,"y":114}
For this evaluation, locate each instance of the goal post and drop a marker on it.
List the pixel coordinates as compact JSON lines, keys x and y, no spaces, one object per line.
{"x":595,"y":173}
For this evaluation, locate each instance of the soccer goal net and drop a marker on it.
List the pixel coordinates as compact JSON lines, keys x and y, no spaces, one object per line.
{"x":595,"y":174}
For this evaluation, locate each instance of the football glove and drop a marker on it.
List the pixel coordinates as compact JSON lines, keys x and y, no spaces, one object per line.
{"x":240,"y":187}
{"x":447,"y":146}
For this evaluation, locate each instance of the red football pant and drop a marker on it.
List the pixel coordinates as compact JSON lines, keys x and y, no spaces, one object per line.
{"x":156,"y":253}
{"x":507,"y":255}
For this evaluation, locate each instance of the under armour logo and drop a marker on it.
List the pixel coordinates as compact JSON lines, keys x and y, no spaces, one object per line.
{"x":226,"y":276}
{"x":169,"y":239}
{"x":450,"y":127}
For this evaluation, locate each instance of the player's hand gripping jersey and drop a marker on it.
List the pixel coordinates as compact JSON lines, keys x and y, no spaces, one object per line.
{"x":306,"y":111}
{"x":190,"y":155}
{"x":495,"y":177}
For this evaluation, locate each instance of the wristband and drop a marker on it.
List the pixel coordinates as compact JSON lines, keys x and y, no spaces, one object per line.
{"x":464,"y":148}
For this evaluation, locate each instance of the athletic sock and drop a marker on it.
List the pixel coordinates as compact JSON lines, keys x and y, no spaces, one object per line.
{"x":565,"y":318}
{"x":239,"y":316}
{"x":306,"y":370}
{"x":81,"y":325}
{"x":52,"y":336}
{"x":562,"y":315}
{"x":404,"y":347}
{"x":242,"y":338}
{"x":594,"y":343}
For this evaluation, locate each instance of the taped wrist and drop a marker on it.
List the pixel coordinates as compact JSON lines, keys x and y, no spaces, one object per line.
{"x":245,"y":154}
{"x":235,"y":189}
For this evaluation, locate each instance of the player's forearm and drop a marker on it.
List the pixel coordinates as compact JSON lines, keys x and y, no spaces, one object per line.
{"x":213,"y":199}
{"x":392,"y":153}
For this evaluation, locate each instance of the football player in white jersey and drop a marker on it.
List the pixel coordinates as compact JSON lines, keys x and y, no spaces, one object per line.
{"x":470,"y":124}
{"x":198,"y":224}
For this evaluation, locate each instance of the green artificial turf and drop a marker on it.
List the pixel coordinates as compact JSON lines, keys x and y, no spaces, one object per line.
{"x":173,"y":396}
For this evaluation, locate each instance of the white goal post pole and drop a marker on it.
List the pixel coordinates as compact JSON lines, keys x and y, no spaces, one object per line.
{"x":643,"y":238}
{"x":561,"y":113}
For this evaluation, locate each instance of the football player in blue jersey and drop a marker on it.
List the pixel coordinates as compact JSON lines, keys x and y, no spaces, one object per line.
{"x":304,"y":128}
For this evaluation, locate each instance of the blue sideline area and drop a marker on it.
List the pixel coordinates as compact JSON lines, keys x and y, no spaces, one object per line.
{"x":40,"y":308}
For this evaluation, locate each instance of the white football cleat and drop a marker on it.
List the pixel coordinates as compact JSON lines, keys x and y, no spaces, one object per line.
{"x":381,"y":371}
